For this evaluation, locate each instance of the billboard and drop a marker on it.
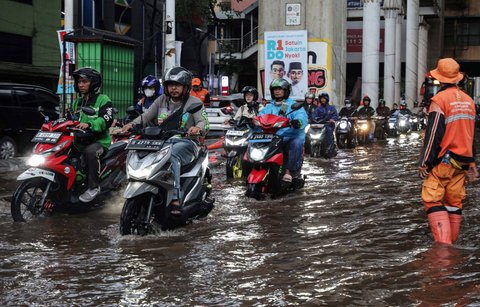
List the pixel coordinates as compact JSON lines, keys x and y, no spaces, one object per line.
{"x":285,"y":56}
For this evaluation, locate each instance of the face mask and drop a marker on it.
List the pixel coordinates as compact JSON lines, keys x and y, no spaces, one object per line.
{"x":148,"y":92}
{"x":348,"y":105}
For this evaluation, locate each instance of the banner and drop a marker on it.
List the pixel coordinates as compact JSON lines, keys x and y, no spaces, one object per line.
{"x":286,"y":57}
{"x":70,"y":59}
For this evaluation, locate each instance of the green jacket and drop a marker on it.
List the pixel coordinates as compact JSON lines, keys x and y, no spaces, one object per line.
{"x":100,"y":122}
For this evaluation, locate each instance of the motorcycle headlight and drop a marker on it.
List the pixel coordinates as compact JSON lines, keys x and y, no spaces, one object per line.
{"x":36,"y":160}
{"x":391,"y":125}
{"x":315,"y":136}
{"x":55,"y":149}
{"x":402,"y":123}
{"x":343,"y":125}
{"x":144,"y":172}
{"x":278,"y":124}
{"x":364,"y":127}
{"x":257,"y":154}
{"x":238,"y":142}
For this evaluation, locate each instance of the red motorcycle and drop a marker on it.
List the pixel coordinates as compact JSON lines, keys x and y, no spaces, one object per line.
{"x":58,"y":174}
{"x":265,"y":156}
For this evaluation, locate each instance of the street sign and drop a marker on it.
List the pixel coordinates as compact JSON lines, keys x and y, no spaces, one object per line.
{"x":292,"y":14}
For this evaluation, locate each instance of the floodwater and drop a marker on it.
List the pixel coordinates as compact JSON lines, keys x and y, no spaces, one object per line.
{"x":355,"y":235}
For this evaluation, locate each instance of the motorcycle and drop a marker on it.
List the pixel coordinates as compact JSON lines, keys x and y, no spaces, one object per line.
{"x":265,"y":155}
{"x":363,"y":127}
{"x":345,"y":133}
{"x":316,"y":139}
{"x":58,"y":172}
{"x":151,"y":181}
{"x":235,"y":145}
{"x":381,"y":124}
{"x":403,"y":124}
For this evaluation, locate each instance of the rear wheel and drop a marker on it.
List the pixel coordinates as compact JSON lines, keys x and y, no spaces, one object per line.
{"x":8,"y":148}
{"x":27,"y":200}
{"x":132,"y":218}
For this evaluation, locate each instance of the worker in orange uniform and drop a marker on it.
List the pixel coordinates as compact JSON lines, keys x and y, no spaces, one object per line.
{"x":199,"y":92}
{"x":447,"y":159}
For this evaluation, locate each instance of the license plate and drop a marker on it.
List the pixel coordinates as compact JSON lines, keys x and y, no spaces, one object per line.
{"x":261,"y":138}
{"x":235,"y":132}
{"x":47,"y":137}
{"x":213,"y":114}
{"x":38,"y":172}
{"x":145,"y":145}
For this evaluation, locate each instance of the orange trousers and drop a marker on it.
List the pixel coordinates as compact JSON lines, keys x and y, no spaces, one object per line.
{"x":444,"y":186}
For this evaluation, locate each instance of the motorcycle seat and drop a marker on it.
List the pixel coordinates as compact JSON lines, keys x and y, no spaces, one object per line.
{"x":114,"y":149}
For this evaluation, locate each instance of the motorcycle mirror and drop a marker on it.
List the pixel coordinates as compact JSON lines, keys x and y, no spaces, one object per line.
{"x":297,"y":106}
{"x":40,"y":109}
{"x":89,"y":111}
{"x":194,"y":107}
{"x":115,"y":111}
{"x":131,"y":110}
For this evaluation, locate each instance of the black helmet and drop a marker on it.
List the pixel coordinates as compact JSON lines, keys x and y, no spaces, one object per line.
{"x":281,"y":83}
{"x":381,"y":101}
{"x":309,"y":95}
{"x":324,"y":95}
{"x":178,"y":75}
{"x":90,"y":74}
{"x":250,"y":89}
{"x":347,"y":100}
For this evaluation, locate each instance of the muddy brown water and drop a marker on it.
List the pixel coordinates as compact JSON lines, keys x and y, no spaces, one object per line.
{"x":355,"y":235}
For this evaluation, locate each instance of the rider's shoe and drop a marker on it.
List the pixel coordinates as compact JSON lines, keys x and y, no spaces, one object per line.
{"x":89,"y":195}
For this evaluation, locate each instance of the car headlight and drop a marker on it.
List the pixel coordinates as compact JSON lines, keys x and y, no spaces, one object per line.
{"x":36,"y":160}
{"x":343,"y":125}
{"x":257,"y":154}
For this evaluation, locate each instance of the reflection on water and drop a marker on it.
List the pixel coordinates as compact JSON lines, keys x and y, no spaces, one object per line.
{"x":355,"y":235}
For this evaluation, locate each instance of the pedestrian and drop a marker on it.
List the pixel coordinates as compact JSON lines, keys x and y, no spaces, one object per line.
{"x":199,"y":92}
{"x":447,"y":158}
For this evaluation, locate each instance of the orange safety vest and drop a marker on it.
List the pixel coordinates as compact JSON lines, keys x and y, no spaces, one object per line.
{"x":201,"y":94}
{"x":459,"y":112}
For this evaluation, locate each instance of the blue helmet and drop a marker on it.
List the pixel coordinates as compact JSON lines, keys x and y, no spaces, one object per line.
{"x":151,"y":81}
{"x":324,"y":94}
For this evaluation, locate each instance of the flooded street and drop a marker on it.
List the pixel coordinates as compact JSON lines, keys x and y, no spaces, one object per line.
{"x":356,"y":234}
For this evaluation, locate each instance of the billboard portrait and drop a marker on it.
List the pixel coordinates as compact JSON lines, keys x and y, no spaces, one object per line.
{"x":286,"y":57}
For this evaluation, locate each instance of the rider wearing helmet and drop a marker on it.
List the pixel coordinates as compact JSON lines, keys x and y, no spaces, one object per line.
{"x":199,"y":92}
{"x":251,"y":106}
{"x":176,"y":96}
{"x":382,"y":109}
{"x":366,"y":111}
{"x":327,"y":113}
{"x":151,"y":89}
{"x":349,"y":110}
{"x":294,"y":136}
{"x":88,"y":82}
{"x":308,"y":104}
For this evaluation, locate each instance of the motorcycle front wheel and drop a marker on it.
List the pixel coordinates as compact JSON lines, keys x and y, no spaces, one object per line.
{"x":341,"y":141}
{"x":234,"y":167}
{"x":132,"y":218}
{"x":27,"y":200}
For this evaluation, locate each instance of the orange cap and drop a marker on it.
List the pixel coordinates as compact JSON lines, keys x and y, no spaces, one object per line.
{"x":196,"y":81}
{"x":447,"y":71}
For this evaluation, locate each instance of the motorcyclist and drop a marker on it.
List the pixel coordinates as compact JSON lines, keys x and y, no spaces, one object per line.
{"x":348,"y":110}
{"x":382,"y":109}
{"x":88,"y":82}
{"x":402,"y":110}
{"x":294,"y":136}
{"x":176,"y":95}
{"x":151,"y":89}
{"x":251,"y":107}
{"x":394,"y":109}
{"x":327,"y":113}
{"x":308,"y":104}
{"x":366,"y":111}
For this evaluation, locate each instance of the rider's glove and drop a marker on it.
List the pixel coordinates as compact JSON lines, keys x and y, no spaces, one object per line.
{"x":296,"y":123}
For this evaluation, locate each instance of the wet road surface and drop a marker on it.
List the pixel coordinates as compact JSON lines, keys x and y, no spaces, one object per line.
{"x":355,"y":235}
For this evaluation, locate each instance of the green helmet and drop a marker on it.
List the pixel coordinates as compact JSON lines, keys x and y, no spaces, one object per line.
{"x":281,"y":83}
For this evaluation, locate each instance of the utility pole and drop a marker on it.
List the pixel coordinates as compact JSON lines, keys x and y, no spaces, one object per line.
{"x":169,"y":50}
{"x":68,"y":18}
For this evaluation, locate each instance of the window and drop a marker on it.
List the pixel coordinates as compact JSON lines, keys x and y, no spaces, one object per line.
{"x":5,"y":98}
{"x":48,"y":101}
{"x":26,"y":99}
{"x":15,"y":48}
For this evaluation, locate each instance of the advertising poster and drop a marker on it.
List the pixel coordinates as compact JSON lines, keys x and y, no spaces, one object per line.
{"x":70,"y":59}
{"x":286,"y":57}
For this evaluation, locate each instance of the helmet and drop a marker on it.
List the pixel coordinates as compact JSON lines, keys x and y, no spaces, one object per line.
{"x":324,"y":95}
{"x":381,"y":101}
{"x":281,"y":83}
{"x":403,"y":104}
{"x":90,"y":74}
{"x":151,"y":81}
{"x":178,"y":75}
{"x":309,"y":95}
{"x":196,"y":82}
{"x":250,"y":89}
{"x":347,"y":101}
{"x":366,"y":98}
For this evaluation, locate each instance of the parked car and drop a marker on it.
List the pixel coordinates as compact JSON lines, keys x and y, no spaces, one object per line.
{"x":20,"y":118}
{"x":221,"y":109}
